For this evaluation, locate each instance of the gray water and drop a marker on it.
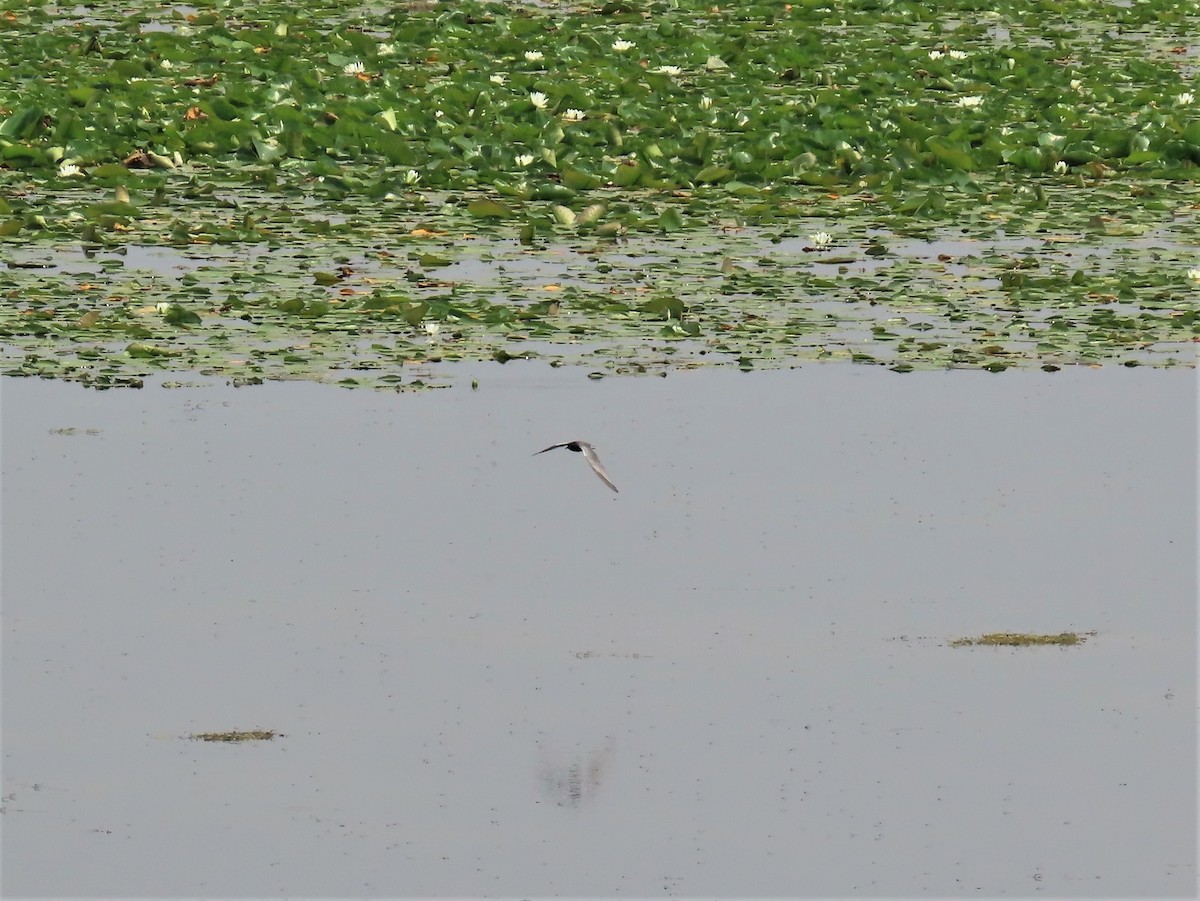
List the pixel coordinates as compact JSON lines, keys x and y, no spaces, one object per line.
{"x":493,"y":676}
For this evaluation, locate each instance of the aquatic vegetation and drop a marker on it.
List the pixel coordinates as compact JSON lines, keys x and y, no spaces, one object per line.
{"x":272,"y":191}
{"x":1024,"y":639}
{"x":253,"y":735}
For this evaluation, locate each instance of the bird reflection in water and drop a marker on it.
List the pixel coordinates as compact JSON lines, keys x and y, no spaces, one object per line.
{"x":571,"y":782}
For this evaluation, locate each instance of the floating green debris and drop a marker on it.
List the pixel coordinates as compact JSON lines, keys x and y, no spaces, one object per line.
{"x":1024,"y":639}
{"x":253,"y":735}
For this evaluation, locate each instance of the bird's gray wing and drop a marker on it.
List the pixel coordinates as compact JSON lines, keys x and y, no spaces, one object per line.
{"x":551,"y":447}
{"x":589,"y":454}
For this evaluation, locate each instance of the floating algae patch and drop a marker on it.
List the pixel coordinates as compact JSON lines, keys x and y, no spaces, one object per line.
{"x":253,"y":735}
{"x":1023,"y":639}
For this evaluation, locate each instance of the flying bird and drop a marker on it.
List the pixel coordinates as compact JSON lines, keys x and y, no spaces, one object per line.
{"x":589,"y":454}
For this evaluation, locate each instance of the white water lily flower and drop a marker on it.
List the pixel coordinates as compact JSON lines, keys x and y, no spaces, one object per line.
{"x":1194,"y":275}
{"x":538,"y":99}
{"x":354,"y":68}
{"x":669,"y":70}
{"x":621,"y":45}
{"x":69,"y":170}
{"x":1061,"y":167}
{"x":957,"y":54}
{"x":706,"y":103}
{"x":386,"y":49}
{"x":162,"y":307}
{"x":496,"y":79}
{"x":969,"y":102}
{"x":821,"y":240}
{"x":432,"y":329}
{"x":1187,"y":98}
{"x":936,"y":54}
{"x":1076,"y":84}
{"x":574,"y":115}
{"x":524,"y":159}
{"x":534,"y":56}
{"x":411,"y":177}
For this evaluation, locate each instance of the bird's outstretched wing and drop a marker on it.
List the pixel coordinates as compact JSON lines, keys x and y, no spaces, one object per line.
{"x":589,"y":454}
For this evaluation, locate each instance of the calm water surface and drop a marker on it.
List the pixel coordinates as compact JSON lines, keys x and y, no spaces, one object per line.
{"x":494,"y":676}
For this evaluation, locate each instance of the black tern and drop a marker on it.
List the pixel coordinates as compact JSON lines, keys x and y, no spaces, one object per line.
{"x":589,"y":454}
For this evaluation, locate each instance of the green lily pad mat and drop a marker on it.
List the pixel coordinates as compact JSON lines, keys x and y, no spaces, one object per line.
{"x":366,"y":194}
